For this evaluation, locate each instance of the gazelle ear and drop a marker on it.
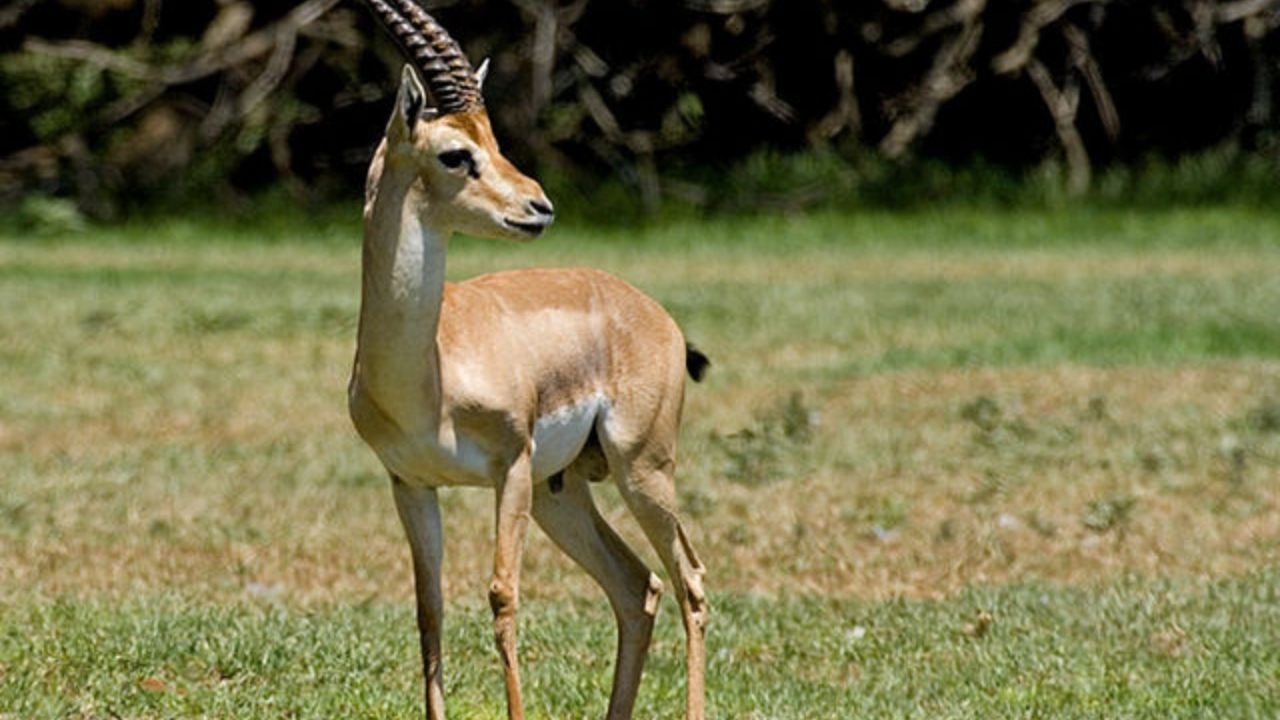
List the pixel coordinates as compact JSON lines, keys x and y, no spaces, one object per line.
{"x":410,"y":102}
{"x":482,"y":73}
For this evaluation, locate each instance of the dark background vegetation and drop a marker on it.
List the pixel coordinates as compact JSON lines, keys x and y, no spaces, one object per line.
{"x":115,"y":104}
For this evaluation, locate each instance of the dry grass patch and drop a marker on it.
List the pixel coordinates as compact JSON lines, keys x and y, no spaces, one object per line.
{"x":903,"y":488}
{"x":926,"y":482}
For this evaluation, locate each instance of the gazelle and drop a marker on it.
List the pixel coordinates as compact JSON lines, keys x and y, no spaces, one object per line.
{"x":531,"y":382}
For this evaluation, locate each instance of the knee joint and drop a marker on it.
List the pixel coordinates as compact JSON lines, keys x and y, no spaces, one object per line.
{"x":502,"y":598}
{"x":652,"y":594}
{"x":697,"y":610}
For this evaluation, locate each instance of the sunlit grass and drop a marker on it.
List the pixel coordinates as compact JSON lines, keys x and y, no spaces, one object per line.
{"x":1073,"y":410}
{"x":1157,"y":650}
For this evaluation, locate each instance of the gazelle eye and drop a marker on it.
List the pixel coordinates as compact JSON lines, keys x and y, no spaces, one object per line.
{"x":454,"y":159}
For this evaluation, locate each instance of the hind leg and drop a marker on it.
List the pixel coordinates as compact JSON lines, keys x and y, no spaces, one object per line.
{"x":648,"y":488}
{"x":570,"y":519}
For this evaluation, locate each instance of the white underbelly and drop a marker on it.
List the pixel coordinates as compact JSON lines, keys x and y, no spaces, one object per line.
{"x":444,"y":458}
{"x":558,"y":436}
{"x":436,"y":462}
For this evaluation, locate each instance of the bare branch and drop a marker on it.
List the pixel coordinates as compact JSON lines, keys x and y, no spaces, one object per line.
{"x":1082,"y":59}
{"x":725,"y":7}
{"x":92,"y":54}
{"x":202,"y":65}
{"x":277,"y":66}
{"x":600,"y":112}
{"x":961,"y":13}
{"x":1230,"y":12}
{"x":1063,"y":105}
{"x":951,"y":72}
{"x":13,"y":13}
{"x":1036,"y":20}
{"x":845,"y":114}
{"x":764,"y":94}
{"x":543,"y":56}
{"x":1204,"y":15}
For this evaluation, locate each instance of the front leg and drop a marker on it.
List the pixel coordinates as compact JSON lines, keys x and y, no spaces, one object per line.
{"x":514,"y":503}
{"x":420,"y":514}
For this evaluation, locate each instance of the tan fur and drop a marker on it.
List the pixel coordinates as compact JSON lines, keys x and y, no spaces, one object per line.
{"x":499,"y":381}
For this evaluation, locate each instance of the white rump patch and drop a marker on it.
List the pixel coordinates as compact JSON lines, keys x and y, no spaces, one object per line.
{"x":559,"y":435}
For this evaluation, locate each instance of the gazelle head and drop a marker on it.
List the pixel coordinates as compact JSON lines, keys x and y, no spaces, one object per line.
{"x":440,"y":128}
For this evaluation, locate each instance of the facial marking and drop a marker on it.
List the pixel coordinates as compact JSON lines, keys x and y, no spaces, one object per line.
{"x":460,"y":160}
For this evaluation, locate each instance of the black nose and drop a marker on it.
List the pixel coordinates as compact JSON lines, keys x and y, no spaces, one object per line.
{"x":542,"y":207}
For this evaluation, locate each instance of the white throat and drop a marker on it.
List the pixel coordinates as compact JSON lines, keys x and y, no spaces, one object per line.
{"x":397,"y":360}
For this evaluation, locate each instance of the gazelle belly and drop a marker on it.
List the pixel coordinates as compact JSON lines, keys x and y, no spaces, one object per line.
{"x":449,"y":458}
{"x":559,"y":435}
{"x":439,"y":460}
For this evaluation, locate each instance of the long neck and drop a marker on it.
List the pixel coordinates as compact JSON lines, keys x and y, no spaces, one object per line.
{"x":397,"y":361}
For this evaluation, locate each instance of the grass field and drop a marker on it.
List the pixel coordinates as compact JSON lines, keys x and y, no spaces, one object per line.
{"x":964,"y":463}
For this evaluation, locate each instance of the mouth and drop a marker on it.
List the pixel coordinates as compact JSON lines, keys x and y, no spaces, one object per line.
{"x":532,"y":229}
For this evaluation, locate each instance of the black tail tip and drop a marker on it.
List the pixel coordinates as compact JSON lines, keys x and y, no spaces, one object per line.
{"x":696,"y":363}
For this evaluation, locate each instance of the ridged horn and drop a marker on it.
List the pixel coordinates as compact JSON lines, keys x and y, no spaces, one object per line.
{"x":444,"y":69}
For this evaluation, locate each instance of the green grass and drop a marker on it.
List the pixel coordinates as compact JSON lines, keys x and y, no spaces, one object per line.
{"x":1137,"y":288}
{"x":1130,"y":649}
{"x":1064,"y":417}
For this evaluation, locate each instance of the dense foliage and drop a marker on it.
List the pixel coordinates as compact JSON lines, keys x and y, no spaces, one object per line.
{"x":111,"y":99}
